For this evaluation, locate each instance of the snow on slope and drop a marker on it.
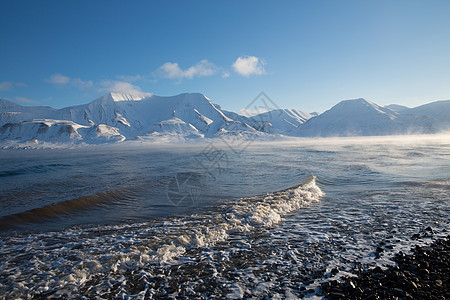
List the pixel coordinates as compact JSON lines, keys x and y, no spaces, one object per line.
{"x":397,"y":108}
{"x":283,"y":121}
{"x":46,"y":129}
{"x":357,"y":117}
{"x":116,"y":117}
{"x":432,"y":117}
{"x":360,"y":117}
{"x":11,"y":112}
{"x":185,"y":114}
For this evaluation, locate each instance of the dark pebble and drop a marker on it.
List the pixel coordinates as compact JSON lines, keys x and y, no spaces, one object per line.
{"x":425,"y":274}
{"x":415,"y":236}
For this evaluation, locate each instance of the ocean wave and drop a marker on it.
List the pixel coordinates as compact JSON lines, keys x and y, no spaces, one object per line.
{"x":244,"y":215}
{"x":100,"y":256}
{"x":31,"y":170}
{"x":63,"y":208}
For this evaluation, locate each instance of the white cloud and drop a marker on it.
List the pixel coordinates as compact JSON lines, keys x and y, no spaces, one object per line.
{"x":58,"y":79}
{"x":249,"y":65}
{"x":123,"y":87}
{"x":173,"y":70}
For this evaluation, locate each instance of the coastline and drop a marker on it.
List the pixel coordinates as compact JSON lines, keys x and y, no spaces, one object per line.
{"x":424,"y":274}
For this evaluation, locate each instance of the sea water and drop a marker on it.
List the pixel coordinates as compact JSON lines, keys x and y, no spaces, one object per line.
{"x":215,"y":220}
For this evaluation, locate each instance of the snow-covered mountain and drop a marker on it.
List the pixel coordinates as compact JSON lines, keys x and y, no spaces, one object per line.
{"x":118,"y":117}
{"x":352,"y":118}
{"x":397,"y":108}
{"x":11,"y":112}
{"x":283,"y":121}
{"x":360,"y":117}
{"x":430,"y":118}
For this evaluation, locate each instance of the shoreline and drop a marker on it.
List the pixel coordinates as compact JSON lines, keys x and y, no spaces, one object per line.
{"x":424,"y":274}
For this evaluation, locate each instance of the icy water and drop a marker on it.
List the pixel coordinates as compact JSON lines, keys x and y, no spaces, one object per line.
{"x":211,"y":221}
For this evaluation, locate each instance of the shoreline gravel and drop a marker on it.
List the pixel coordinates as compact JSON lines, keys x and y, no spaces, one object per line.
{"x":424,"y":274}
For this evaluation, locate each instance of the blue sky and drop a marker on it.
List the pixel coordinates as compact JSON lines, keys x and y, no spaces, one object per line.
{"x":307,"y":55}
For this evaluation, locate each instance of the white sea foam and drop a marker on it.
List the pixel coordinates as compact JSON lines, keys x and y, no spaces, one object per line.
{"x":245,"y":215}
{"x":62,"y":262}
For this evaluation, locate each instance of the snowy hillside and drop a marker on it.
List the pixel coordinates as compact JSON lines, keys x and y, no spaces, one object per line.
{"x":283,"y":121}
{"x":356,"y":117}
{"x":397,"y":108}
{"x":11,"y":112}
{"x":118,"y":117}
{"x":360,"y":117}
{"x":431,"y":117}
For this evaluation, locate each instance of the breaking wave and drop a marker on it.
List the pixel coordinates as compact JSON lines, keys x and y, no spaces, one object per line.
{"x":243,"y":215}
{"x":96,"y":259}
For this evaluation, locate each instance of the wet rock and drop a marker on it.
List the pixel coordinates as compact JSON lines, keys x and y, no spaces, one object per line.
{"x":415,"y":236}
{"x":412,"y":286}
{"x":337,"y":295}
{"x":425,"y":274}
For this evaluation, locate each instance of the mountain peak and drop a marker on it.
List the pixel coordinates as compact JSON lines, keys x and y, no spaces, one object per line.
{"x":397,"y":108}
{"x":136,"y":96}
{"x":357,"y":101}
{"x":6,"y":103}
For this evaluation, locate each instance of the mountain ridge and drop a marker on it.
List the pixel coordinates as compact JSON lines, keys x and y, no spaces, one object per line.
{"x":116,"y":117}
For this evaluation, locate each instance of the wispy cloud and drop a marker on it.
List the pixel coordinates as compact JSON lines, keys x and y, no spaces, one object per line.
{"x":173,"y":70}
{"x":58,"y":79}
{"x":81,"y":84}
{"x":249,"y":65}
{"x":5,"y":85}
{"x":8,"y":85}
{"x":130,"y":78}
{"x":26,"y":100}
{"x":61,"y":80}
{"x":104,"y":86}
{"x":123,"y":87}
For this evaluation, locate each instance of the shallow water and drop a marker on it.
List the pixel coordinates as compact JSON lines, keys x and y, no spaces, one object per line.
{"x":206,"y":220}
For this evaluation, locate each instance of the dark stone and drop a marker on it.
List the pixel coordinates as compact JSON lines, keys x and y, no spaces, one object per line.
{"x":415,"y":236}
{"x":425,"y":274}
{"x":337,"y":295}
{"x":412,"y":285}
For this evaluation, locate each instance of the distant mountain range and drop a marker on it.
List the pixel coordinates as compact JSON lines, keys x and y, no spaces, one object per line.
{"x":118,"y":117}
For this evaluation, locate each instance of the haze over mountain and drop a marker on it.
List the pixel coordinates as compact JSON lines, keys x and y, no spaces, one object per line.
{"x":118,"y":117}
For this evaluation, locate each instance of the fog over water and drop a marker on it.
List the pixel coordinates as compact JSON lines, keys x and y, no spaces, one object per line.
{"x":258,"y":219}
